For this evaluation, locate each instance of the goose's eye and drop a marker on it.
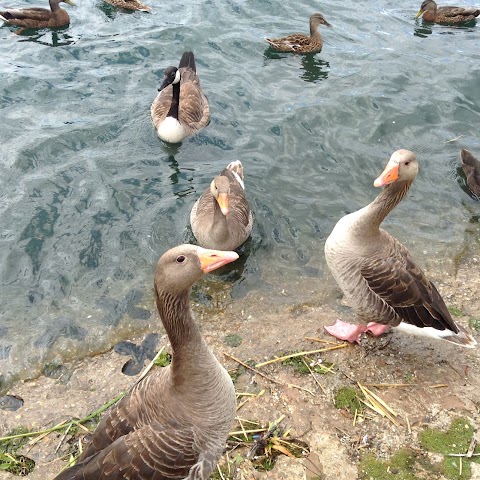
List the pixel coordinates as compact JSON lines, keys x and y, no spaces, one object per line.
{"x":181,"y":259}
{"x":406,"y":163}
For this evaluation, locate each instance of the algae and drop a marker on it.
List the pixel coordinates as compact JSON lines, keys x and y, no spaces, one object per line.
{"x":347,"y":398}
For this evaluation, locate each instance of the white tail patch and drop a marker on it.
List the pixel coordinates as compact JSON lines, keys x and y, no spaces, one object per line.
{"x":461,"y":338}
{"x":171,"y":130}
{"x":233,"y":167}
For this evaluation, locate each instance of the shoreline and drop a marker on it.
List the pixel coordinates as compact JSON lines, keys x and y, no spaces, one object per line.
{"x":265,"y":332}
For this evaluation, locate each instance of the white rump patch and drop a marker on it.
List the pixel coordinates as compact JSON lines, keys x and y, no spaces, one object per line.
{"x":231,"y":167}
{"x":462,"y":338}
{"x":171,"y":130}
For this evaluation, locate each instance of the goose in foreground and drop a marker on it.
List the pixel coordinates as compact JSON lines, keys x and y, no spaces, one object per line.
{"x":299,"y":42}
{"x":452,"y":15}
{"x":173,"y":424}
{"x":38,"y":17}
{"x":471,"y":167}
{"x":181,"y":107}
{"x":221,"y":218}
{"x":377,"y":275}
{"x":129,"y":5}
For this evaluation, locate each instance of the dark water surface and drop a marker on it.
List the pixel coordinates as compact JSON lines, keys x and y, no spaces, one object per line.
{"x":90,"y":198}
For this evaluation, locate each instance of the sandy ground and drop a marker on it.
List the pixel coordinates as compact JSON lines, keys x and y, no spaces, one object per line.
{"x":271,"y":327}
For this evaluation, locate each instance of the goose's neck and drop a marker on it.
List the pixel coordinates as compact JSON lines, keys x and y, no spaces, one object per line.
{"x":374,"y":214}
{"x":54,"y":5}
{"x":173,"y":112}
{"x":190,"y":351}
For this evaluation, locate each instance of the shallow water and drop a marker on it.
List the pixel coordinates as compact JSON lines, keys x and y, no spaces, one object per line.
{"x":90,"y":198}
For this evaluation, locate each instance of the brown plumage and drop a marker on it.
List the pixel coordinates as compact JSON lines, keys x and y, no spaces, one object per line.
{"x":451,"y":15}
{"x":173,"y":424}
{"x":181,"y":107}
{"x":471,"y":167}
{"x":377,"y":275}
{"x":38,"y":17}
{"x":299,"y":42}
{"x":129,"y":5}
{"x":221,"y":218}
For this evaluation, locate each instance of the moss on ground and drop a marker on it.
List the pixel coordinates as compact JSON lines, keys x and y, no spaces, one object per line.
{"x":10,"y":461}
{"x":456,"y":440}
{"x":347,"y":398}
{"x":299,"y":366}
{"x":399,"y":467}
{"x":456,"y":311}
{"x":474,"y":323}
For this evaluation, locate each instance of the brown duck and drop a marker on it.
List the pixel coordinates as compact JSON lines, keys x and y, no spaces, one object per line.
{"x":38,"y":17}
{"x":129,"y":5}
{"x":452,"y":15}
{"x":377,"y":275}
{"x":299,"y":42}
{"x":173,"y":425}
{"x":181,"y":108}
{"x":221,"y":218}
{"x":471,"y":167}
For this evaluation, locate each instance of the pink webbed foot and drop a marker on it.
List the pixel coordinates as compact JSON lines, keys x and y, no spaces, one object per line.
{"x":377,"y":329}
{"x":346,"y":331}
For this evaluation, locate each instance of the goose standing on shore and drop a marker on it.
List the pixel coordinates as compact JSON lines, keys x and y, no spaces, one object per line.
{"x":451,"y":15}
{"x":221,"y":218}
{"x":34,"y":17}
{"x":299,"y":42}
{"x":471,"y":167}
{"x":181,"y":108}
{"x":173,"y":425}
{"x":377,"y":275}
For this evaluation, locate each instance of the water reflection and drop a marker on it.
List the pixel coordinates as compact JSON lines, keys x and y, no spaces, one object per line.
{"x":422,"y":31}
{"x":314,"y":69}
{"x":50,"y":38}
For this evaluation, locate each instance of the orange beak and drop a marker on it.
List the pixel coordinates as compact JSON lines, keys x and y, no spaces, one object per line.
{"x":389,"y":175}
{"x":212,"y":259}
{"x":223,"y":202}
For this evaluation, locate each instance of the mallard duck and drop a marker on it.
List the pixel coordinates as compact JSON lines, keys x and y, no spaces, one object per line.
{"x":221,"y":218}
{"x":432,"y":13}
{"x":38,"y":17}
{"x":129,"y":5}
{"x":299,"y":42}
{"x":377,"y":275}
{"x":174,"y":423}
{"x":471,"y":167}
{"x":181,"y":107}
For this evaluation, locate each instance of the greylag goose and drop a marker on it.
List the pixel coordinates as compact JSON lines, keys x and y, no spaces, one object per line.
{"x":174,"y":423}
{"x":471,"y":167}
{"x":34,"y":17}
{"x":377,"y":275}
{"x":451,"y":15}
{"x":181,"y":107}
{"x":299,"y":42}
{"x":221,"y":218}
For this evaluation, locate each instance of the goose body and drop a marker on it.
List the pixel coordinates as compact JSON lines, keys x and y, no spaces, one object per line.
{"x":451,"y":15}
{"x":299,"y":42}
{"x":471,"y":167}
{"x":181,"y":108}
{"x":173,"y":424}
{"x":221,"y":218}
{"x":129,"y":5}
{"x":376,"y":273}
{"x":38,"y":17}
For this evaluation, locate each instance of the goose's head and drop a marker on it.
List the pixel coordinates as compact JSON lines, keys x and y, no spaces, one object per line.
{"x":427,"y":5}
{"x":180,"y":267}
{"x":220,"y":188}
{"x":171,"y":75}
{"x":402,"y":166}
{"x":318,"y":19}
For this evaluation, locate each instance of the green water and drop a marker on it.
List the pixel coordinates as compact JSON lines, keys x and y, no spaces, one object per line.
{"x":90,"y":197}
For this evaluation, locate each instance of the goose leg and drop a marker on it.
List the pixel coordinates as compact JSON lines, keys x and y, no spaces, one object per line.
{"x":346,"y":331}
{"x":376,"y":329}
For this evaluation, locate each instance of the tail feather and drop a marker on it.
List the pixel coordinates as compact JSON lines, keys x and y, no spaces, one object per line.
{"x":188,"y":61}
{"x":236,"y":168}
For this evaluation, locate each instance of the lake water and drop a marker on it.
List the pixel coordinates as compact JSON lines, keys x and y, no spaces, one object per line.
{"x":90,"y":197}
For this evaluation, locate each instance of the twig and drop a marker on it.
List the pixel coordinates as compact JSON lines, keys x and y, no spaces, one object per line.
{"x":314,"y":377}
{"x":220,"y":472}
{"x":390,"y":385}
{"x":252,"y":369}
{"x":251,"y":395}
{"x":321,"y":340}
{"x":454,"y":139}
{"x":63,"y":438}
{"x":301,"y":354}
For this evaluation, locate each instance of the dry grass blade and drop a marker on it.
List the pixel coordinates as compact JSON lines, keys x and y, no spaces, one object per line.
{"x":390,"y":385}
{"x":321,"y":340}
{"x":301,"y":354}
{"x":251,"y":395}
{"x":375,"y":403}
